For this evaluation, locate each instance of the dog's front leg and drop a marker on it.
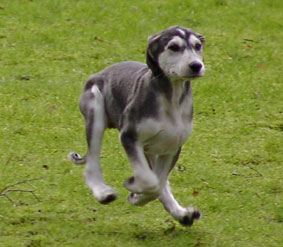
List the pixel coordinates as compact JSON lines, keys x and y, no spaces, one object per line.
{"x":161,"y":166}
{"x":185,"y":216}
{"x":143,"y":199}
{"x":144,"y":180}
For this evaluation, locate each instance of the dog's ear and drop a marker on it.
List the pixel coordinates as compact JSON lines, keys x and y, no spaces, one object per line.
{"x":152,"y":53}
{"x":152,"y":46}
{"x":153,"y":37}
{"x":201,"y":38}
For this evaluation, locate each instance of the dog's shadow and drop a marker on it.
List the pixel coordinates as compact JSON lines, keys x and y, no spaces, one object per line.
{"x":171,"y":234}
{"x":140,"y":233}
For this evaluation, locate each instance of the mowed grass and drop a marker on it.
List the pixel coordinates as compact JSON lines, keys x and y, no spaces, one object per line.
{"x":231,"y":168}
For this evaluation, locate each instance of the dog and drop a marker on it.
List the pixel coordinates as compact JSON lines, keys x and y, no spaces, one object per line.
{"x":152,"y":107}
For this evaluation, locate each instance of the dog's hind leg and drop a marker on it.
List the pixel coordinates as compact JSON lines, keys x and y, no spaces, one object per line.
{"x":92,"y":106}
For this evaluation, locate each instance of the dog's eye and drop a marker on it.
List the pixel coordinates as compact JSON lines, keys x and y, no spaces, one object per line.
{"x":174,"y":47}
{"x":198,"y":47}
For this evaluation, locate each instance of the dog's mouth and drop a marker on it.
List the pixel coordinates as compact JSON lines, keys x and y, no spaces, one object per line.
{"x":194,"y":76}
{"x":197,"y":74}
{"x":188,"y":75}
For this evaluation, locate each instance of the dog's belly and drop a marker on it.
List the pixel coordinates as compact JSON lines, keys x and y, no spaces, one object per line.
{"x":163,"y":137}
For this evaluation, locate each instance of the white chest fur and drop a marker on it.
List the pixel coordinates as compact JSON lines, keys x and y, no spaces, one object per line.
{"x":166,"y":133}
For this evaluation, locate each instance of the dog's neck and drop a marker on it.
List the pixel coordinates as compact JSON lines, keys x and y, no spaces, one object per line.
{"x":173,"y":88}
{"x":180,"y":87}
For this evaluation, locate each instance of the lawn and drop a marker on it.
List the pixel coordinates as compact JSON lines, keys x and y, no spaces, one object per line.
{"x":231,"y":167}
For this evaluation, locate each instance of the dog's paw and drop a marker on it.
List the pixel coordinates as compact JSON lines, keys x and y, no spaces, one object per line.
{"x":108,"y":198}
{"x":142,"y":186}
{"x":141,"y":199}
{"x":76,"y":158}
{"x":190,"y":216}
{"x":104,"y":194}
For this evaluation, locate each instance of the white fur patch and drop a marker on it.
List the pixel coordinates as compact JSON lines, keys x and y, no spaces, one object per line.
{"x":176,"y":40}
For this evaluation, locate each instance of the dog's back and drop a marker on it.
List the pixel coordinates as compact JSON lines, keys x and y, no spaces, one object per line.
{"x":117,"y":83}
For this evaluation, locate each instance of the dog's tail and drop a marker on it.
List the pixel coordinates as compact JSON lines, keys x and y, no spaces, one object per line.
{"x":77,"y":159}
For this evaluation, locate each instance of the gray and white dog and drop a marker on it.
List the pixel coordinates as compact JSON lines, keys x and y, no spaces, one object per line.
{"x":152,"y":107}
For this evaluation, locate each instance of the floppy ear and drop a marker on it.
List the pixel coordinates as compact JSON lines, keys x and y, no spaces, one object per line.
{"x":151,"y":54}
{"x":153,"y":37}
{"x":201,"y":38}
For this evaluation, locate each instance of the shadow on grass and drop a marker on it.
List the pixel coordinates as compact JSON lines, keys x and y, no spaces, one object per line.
{"x":169,"y":235}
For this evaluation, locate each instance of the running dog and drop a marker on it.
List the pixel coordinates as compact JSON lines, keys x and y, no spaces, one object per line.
{"x":152,"y":107}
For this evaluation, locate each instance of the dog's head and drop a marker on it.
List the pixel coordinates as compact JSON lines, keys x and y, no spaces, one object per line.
{"x":176,"y":52}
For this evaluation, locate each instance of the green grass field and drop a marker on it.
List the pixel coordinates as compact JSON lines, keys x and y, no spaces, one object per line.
{"x":231,"y":168}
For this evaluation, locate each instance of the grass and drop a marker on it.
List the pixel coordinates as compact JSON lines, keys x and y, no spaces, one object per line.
{"x":231,"y":168}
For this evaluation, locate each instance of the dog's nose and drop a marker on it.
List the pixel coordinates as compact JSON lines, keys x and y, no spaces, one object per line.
{"x":195,"y":67}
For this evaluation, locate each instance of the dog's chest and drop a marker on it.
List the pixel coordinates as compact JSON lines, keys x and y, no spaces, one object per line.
{"x":167,"y":132}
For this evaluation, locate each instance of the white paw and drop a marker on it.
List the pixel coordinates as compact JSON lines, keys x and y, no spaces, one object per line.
{"x":103,"y":193}
{"x":143,"y":186}
{"x":105,"y":196}
{"x":141,"y":199}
